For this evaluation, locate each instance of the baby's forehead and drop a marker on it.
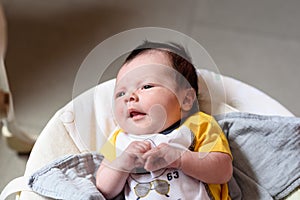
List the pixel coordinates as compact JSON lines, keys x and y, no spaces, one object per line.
{"x":150,"y":63}
{"x":149,"y":71}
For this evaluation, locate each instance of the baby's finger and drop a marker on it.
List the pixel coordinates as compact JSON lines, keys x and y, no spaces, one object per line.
{"x":153,"y":163}
{"x":155,"y":152}
{"x":139,"y":162}
{"x":149,"y":164}
{"x":143,"y":147}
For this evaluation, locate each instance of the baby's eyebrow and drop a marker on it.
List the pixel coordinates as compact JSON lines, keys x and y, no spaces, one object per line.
{"x":118,"y":88}
{"x":151,"y":78}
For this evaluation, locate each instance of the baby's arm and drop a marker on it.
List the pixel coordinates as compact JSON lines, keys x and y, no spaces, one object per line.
{"x":212,"y":168}
{"x":110,"y":181}
{"x":111,"y":177}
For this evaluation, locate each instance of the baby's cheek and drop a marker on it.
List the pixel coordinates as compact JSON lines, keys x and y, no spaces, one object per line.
{"x":158,"y":116}
{"x":120,"y":114}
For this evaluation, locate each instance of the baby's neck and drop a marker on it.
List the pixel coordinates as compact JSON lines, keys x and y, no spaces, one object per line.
{"x":171,"y":128}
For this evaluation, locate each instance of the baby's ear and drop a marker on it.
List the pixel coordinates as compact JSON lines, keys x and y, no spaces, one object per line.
{"x":188,"y":100}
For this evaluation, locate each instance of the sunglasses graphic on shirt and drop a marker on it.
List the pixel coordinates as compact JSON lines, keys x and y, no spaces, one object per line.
{"x":160,"y":186}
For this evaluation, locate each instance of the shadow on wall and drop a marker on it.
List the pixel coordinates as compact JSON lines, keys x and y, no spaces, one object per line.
{"x":35,"y":42}
{"x":45,"y":52}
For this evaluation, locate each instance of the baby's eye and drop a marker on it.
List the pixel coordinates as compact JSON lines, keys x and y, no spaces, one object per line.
{"x":147,"y":86}
{"x":120,"y":94}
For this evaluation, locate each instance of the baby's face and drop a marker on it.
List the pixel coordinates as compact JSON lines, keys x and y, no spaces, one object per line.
{"x":146,"y":97}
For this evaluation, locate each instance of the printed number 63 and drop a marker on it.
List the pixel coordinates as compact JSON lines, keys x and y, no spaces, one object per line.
{"x":172,"y":175}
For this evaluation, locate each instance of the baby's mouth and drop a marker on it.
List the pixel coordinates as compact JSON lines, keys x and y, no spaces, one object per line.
{"x":136,"y":114}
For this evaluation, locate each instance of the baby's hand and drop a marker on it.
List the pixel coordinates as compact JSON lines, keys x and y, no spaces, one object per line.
{"x":132,"y":158}
{"x":163,"y":156}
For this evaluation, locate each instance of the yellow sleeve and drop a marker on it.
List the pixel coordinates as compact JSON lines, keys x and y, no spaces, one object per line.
{"x":209,"y":136}
{"x":108,"y":150}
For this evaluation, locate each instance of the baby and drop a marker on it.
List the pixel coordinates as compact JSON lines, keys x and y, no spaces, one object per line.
{"x":163,"y":143}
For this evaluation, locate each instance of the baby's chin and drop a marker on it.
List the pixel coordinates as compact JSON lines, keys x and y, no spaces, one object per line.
{"x":143,"y":130}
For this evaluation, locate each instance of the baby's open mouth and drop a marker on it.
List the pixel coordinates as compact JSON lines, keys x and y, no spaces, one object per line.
{"x":136,"y":114}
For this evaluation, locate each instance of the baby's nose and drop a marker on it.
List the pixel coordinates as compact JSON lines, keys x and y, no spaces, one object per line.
{"x":133,"y":97}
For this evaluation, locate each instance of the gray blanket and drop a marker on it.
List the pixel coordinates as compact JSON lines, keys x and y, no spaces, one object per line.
{"x":266,"y":152}
{"x":71,"y":177}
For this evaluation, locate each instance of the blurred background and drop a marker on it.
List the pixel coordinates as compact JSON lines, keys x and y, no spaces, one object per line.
{"x":255,"y":41}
